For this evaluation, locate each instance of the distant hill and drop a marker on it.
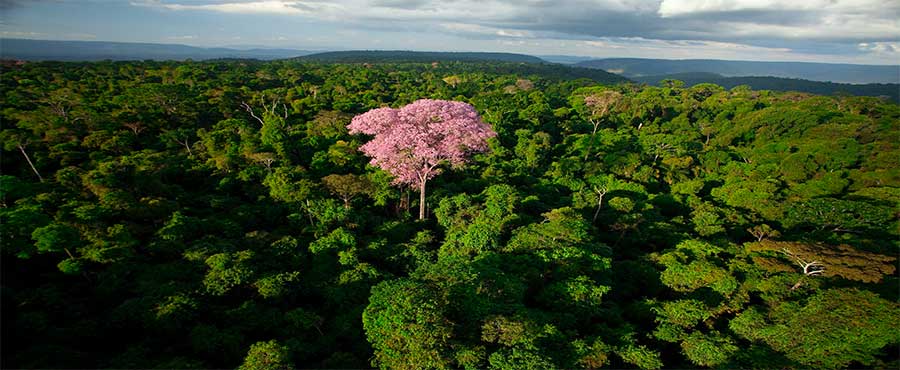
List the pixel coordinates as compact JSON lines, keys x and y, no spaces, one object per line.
{"x":551,"y":71}
{"x":564,"y":59}
{"x":383,"y":56}
{"x":36,"y":50}
{"x":500,"y":63}
{"x":891,"y":91}
{"x":840,"y":73}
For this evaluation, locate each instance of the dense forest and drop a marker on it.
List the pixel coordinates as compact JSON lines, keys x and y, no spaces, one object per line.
{"x":883,"y":90}
{"x":222,"y":215}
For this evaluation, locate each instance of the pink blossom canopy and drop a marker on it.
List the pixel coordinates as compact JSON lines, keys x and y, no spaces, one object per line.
{"x":410,"y":142}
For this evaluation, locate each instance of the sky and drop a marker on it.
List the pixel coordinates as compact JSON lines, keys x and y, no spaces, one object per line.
{"x":839,"y":31}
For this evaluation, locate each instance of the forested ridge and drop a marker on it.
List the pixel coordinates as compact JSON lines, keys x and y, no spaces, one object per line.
{"x":394,"y":56}
{"x":889,"y":92}
{"x":837,"y":73}
{"x":221,"y":215}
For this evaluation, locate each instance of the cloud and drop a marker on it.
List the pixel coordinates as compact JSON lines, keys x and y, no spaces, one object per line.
{"x":6,"y":5}
{"x":79,"y":36}
{"x":285,"y":7}
{"x":184,"y":37}
{"x":675,"y":8}
{"x":22,"y":34}
{"x":687,"y":49}
{"x":399,"y":4}
{"x":743,"y":21}
{"x":479,"y":31}
{"x":75,"y":36}
{"x":678,"y":8}
{"x":890,"y":48}
{"x":734,"y":29}
{"x":836,"y":20}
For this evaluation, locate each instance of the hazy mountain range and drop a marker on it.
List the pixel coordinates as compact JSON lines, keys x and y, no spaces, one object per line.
{"x":375,"y":56}
{"x":35,"y":50}
{"x":840,"y":73}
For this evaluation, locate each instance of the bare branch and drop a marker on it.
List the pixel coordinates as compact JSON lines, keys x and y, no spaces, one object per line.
{"x":250,"y":110}
{"x":27,"y":158}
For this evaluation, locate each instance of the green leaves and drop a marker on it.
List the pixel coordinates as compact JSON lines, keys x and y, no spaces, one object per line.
{"x":839,"y":214}
{"x":625,"y":226}
{"x":288,"y":184}
{"x":269,"y":355}
{"x":275,"y":286}
{"x":708,"y":350}
{"x":835,"y":328}
{"x":688,"y":268}
{"x":338,"y":239}
{"x":227,"y":270}
{"x":55,"y":237}
{"x":405,"y":323}
{"x":684,"y":313}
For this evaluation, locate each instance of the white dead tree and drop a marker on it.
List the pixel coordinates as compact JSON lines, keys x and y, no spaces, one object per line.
{"x":271,"y":110}
{"x":811,"y":268}
{"x":186,"y":143}
{"x":21,"y":147}
{"x":601,"y":191}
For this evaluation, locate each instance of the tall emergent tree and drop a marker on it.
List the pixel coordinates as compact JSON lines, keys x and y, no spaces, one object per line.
{"x":412,"y":141}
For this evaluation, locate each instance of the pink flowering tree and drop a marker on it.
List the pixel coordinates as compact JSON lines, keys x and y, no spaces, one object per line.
{"x":413,"y":141}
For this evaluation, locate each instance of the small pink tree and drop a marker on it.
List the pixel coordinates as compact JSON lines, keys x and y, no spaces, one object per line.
{"x":412,"y":141}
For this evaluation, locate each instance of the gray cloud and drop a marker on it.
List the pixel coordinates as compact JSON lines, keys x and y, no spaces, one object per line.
{"x":7,"y":5}
{"x":838,"y":30}
{"x":400,"y":4}
{"x":752,"y":21}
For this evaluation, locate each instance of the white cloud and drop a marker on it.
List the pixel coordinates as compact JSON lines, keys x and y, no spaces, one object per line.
{"x":862,"y":20}
{"x":184,"y":37}
{"x":467,"y":27}
{"x":21,"y":34}
{"x":816,"y":30}
{"x":674,"y":8}
{"x":486,"y":31}
{"x":286,"y":7}
{"x":603,"y":44}
{"x":684,"y":49}
{"x":507,"y":33}
{"x":890,"y":48}
{"x":829,"y":27}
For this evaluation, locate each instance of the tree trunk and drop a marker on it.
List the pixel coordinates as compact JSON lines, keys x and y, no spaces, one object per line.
{"x":188,"y":147}
{"x":22,"y":149}
{"x":422,"y":200}
{"x":309,"y":213}
{"x":599,"y":204}
{"x":591,"y":143}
